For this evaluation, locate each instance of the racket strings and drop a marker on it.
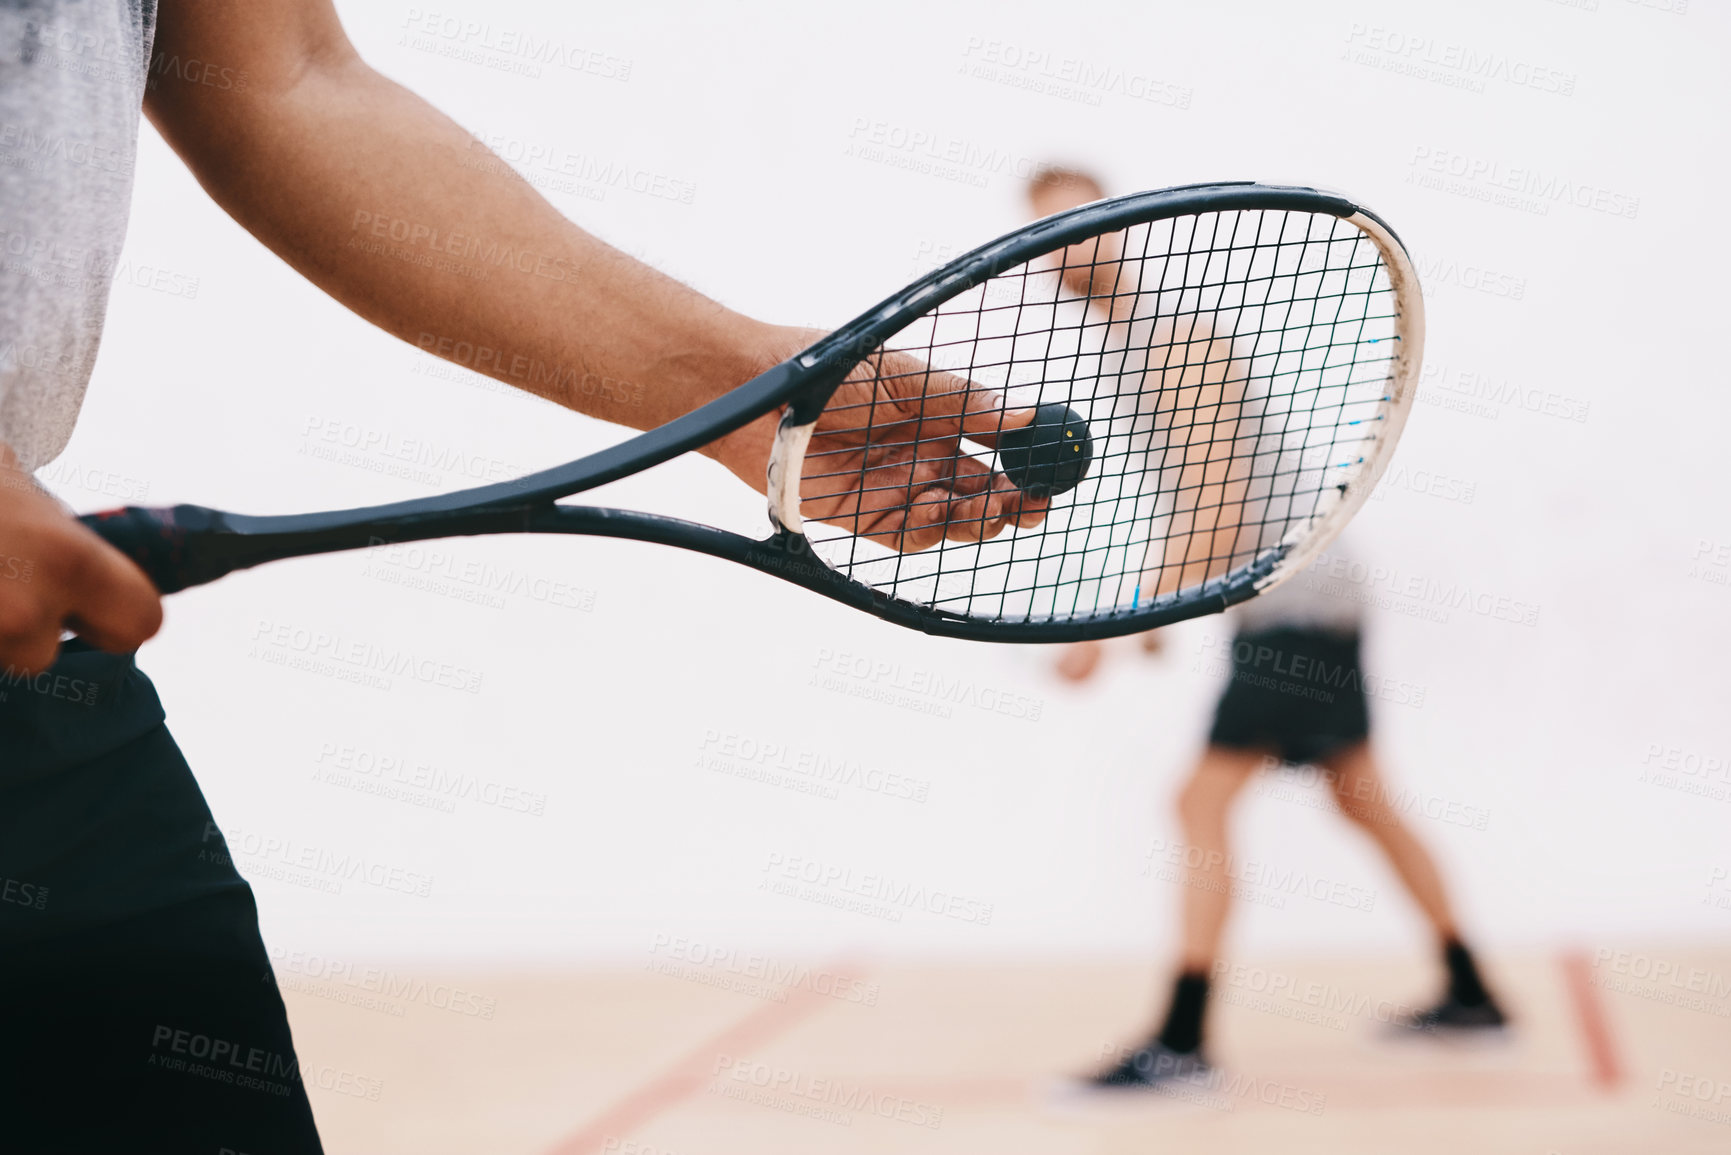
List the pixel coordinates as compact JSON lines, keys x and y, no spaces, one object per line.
{"x":1231,"y":368}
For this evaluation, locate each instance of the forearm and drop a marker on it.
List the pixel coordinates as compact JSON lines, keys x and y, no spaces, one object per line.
{"x":397,"y":212}
{"x":1203,"y":415}
{"x":1202,"y":538}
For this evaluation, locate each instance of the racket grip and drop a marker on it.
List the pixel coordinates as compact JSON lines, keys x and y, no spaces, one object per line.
{"x":172,"y":545}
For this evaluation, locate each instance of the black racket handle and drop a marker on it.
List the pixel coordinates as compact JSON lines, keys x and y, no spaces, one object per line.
{"x":172,"y":545}
{"x":182,"y":546}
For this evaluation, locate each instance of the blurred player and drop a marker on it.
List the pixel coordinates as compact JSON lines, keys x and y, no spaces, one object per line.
{"x":1296,"y":696}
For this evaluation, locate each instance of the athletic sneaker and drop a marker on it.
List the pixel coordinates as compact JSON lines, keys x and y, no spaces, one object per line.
{"x":1151,"y":1067}
{"x":1453,"y":1017}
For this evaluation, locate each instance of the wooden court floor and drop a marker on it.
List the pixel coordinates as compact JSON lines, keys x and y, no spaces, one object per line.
{"x":1616,"y":1050}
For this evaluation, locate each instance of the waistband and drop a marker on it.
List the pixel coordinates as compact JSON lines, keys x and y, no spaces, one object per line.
{"x":82,"y":707}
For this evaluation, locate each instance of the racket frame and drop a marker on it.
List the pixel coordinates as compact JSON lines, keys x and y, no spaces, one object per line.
{"x":853,"y":342}
{"x":189,"y":545}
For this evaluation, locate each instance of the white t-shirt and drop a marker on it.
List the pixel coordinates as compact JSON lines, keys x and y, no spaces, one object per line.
{"x":1329,"y":595}
{"x":72,"y":79}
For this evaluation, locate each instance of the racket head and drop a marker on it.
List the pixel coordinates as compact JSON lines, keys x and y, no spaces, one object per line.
{"x":1244,"y":357}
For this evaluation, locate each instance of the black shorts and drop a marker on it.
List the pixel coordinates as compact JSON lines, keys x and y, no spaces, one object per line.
{"x":138,"y":1011}
{"x":1296,"y":693}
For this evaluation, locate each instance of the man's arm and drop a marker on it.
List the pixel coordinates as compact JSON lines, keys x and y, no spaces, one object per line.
{"x":399,"y":214}
{"x":344,"y":175}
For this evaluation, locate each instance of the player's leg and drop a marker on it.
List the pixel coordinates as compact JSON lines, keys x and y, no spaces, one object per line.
{"x":141,"y":1014}
{"x":1204,"y":811}
{"x":1362,"y":797}
{"x":1359,"y":791}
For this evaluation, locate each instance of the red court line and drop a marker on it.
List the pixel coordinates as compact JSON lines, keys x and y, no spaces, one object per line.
{"x":692,"y":1072}
{"x":1590,"y":1015}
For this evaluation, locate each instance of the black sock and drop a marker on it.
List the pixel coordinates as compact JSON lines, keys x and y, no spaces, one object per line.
{"x":1183,"y":1029}
{"x":1465,"y":986}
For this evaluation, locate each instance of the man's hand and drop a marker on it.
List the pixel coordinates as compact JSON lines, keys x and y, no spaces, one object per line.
{"x":55,"y":574}
{"x":1078,"y":661}
{"x":886,"y":462}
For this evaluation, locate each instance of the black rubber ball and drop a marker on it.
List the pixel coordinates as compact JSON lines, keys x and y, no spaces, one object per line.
{"x":1049,"y":456}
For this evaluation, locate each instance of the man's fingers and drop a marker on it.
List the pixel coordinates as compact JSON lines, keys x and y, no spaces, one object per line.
{"x":947,"y":403}
{"x":920,"y":524}
{"x":936,"y":512}
{"x":982,"y":505}
{"x":981,"y":413}
{"x":912,"y":504}
{"x":1021,"y":509}
{"x":972,"y":506}
{"x":985,"y":425}
{"x":972,"y":519}
{"x":62,"y":574}
{"x":112,"y":605}
{"x":1009,"y":508}
{"x":922,"y":532}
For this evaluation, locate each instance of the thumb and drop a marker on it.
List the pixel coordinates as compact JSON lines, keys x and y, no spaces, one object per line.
{"x":987,"y":425}
{"x":978,"y":412}
{"x":983,"y":413}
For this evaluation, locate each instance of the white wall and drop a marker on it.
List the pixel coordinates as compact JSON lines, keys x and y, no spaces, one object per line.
{"x":604,"y":708}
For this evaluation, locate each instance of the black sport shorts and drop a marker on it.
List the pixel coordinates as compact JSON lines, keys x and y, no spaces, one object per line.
{"x":1297,"y":693}
{"x":138,"y":1011}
